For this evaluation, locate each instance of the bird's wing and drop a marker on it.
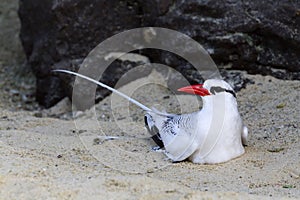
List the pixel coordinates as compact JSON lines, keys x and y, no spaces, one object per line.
{"x":177,"y":133}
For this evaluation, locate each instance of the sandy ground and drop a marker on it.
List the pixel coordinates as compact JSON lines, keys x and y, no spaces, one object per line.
{"x":64,"y":158}
{"x":47,"y":154}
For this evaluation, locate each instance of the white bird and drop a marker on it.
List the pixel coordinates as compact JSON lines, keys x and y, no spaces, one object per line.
{"x":211,"y":135}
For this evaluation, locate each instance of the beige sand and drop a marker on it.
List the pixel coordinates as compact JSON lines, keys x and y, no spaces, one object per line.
{"x":48,"y":158}
{"x":65,"y":159}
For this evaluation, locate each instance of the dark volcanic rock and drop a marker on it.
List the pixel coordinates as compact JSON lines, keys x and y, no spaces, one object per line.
{"x":257,"y":36}
{"x":64,"y":31}
{"x":245,"y":33}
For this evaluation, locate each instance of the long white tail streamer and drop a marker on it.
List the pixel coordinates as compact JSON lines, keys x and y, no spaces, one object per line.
{"x":107,"y":87}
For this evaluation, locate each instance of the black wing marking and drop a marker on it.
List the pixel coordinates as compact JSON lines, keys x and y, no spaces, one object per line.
{"x":153,"y":130}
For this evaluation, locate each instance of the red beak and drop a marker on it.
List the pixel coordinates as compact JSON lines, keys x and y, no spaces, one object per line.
{"x":195,"y":89}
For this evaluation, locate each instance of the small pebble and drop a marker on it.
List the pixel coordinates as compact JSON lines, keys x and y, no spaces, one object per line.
{"x":281,"y":105}
{"x":59,"y":156}
{"x":294,"y":174}
{"x":14,"y":92}
{"x":38,"y":114}
{"x":275,"y":150}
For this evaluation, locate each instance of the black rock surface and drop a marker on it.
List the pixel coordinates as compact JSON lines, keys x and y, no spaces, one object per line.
{"x":261,"y":37}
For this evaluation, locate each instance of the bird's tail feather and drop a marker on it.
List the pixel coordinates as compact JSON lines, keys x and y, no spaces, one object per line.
{"x":154,"y":110}
{"x":107,"y":87}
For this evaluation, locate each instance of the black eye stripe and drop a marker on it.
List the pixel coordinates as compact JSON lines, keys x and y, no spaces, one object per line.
{"x":218,"y":89}
{"x":231,"y":92}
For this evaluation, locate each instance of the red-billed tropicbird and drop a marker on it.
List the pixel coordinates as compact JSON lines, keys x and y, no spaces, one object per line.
{"x":213,"y":134}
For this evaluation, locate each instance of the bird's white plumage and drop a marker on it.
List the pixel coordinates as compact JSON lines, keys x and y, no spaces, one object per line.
{"x":214,"y":134}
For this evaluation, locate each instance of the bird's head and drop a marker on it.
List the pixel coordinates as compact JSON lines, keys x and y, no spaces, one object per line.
{"x":210,"y":87}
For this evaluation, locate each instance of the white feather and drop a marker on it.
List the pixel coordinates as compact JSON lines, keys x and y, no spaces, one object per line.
{"x":105,"y":86}
{"x":202,"y":136}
